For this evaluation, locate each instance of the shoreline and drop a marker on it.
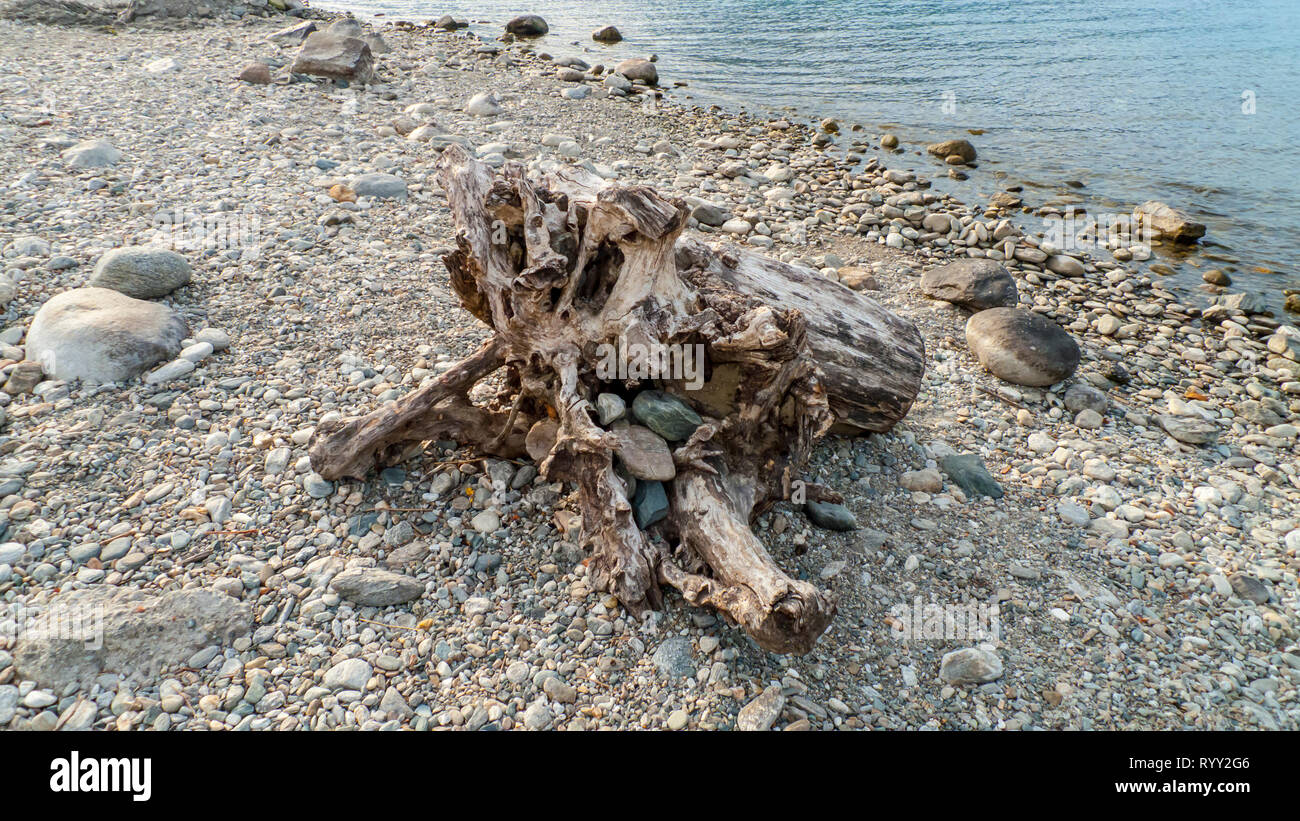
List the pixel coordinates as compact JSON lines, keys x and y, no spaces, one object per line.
{"x":1201,"y":273}
{"x":1139,"y":582}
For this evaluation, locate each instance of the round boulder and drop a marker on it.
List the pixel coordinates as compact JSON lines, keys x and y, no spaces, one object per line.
{"x":639,"y":71}
{"x":949,"y":148}
{"x":527,"y":25}
{"x":142,"y":271}
{"x":1022,"y":347}
{"x":607,"y":34}
{"x":974,"y":283}
{"x":101,"y":335}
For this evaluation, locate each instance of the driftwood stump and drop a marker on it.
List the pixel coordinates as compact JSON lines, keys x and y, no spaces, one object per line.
{"x":566,"y":270}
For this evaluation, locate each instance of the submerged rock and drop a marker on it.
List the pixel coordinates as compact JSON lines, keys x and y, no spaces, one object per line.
{"x":1169,"y":222}
{"x":527,"y":25}
{"x":950,"y":148}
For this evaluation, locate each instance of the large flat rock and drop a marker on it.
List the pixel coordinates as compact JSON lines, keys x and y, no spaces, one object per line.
{"x":80,"y":634}
{"x":100,"y":335}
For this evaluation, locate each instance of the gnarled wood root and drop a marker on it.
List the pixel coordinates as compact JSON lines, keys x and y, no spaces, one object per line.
{"x":562,"y":269}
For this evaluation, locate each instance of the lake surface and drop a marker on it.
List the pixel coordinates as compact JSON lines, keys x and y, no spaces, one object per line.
{"x":1193,"y":103}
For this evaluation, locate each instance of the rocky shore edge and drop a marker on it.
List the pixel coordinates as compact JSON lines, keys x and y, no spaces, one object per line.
{"x":1123,"y":496}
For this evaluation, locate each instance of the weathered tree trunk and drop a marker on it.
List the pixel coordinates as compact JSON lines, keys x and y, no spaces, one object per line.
{"x":871,"y":359}
{"x":569,"y":269}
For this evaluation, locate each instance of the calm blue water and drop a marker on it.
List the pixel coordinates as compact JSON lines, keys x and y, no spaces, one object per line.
{"x":1138,"y":99}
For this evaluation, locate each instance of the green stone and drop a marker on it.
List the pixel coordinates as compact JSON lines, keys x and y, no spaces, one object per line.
{"x":666,"y":415}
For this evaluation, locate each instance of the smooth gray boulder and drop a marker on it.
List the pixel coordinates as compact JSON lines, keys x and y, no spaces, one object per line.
{"x":100,"y":335}
{"x":373,"y":587}
{"x":639,"y":71}
{"x":527,"y":25}
{"x":1022,"y":347}
{"x":143,"y":272}
{"x":973,"y":283}
{"x":327,"y":54}
{"x":830,"y":516}
{"x":380,"y":186}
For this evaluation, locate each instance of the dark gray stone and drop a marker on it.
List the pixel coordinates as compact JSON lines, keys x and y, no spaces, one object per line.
{"x":1249,"y":588}
{"x":675,"y":658}
{"x":706,"y":213}
{"x":373,"y":587}
{"x":649,"y":503}
{"x":967,"y":471}
{"x":142,"y":272}
{"x":1085,"y":397}
{"x":973,"y":283}
{"x":527,"y":25}
{"x":1022,"y":346}
{"x":830,"y":516}
{"x":379,"y":186}
{"x":666,"y":415}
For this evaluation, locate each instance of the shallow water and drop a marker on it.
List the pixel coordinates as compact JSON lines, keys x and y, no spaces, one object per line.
{"x":1136,"y":99}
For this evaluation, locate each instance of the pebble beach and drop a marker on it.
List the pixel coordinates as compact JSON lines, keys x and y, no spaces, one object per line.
{"x":1132,"y":527}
